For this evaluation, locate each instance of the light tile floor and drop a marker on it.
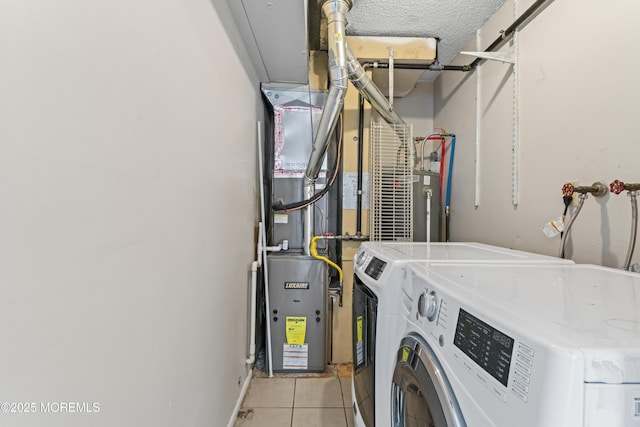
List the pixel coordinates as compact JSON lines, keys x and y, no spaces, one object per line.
{"x":299,"y":401}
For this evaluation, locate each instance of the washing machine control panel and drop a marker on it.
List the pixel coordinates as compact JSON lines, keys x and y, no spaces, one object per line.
{"x":375,"y":268}
{"x":488,"y":347}
{"x":361,"y":258}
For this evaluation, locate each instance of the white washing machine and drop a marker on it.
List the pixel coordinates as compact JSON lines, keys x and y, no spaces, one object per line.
{"x":526,"y":346}
{"x":380,"y":310}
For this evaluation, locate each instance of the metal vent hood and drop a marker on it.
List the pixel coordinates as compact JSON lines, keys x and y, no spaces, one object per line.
{"x":275,"y":34}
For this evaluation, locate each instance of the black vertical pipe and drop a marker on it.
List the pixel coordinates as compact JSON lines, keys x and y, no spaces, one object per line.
{"x":360,"y":160}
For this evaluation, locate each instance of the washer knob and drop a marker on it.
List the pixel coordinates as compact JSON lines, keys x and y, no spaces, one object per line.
{"x":427,"y":305}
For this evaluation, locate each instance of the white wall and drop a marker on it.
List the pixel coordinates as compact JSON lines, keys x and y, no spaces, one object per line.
{"x":578,"y":116}
{"x":417,"y":108}
{"x":127,"y":141}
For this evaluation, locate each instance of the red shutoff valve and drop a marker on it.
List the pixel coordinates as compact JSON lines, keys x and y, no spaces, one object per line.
{"x":616,"y":186}
{"x":567,"y":189}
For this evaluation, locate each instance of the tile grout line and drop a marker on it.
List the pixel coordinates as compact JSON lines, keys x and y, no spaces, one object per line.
{"x":293,"y":403}
{"x":344,"y":409}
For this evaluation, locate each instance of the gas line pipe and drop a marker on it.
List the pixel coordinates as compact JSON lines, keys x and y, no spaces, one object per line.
{"x":313,"y":251}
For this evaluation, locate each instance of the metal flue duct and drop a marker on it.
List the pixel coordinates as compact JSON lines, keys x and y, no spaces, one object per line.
{"x":342,"y":66}
{"x":370,"y":91}
{"x":335,"y":12}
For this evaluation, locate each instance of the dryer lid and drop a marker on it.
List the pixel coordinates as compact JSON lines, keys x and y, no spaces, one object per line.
{"x":459,"y":252}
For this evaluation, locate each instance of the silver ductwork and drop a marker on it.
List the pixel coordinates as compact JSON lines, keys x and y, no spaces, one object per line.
{"x":370,"y":91}
{"x":343,"y":66}
{"x":336,"y":13}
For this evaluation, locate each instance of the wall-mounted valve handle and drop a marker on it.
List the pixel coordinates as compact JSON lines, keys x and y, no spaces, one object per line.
{"x":618,"y":186}
{"x":567,"y":190}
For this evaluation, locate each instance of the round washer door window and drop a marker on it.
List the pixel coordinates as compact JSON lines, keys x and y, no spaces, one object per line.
{"x":421,"y":395}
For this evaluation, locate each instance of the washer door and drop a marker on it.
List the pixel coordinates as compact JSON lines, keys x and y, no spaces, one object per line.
{"x":365,"y":318}
{"x":421,"y":394}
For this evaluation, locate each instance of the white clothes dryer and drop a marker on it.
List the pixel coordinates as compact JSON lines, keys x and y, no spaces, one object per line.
{"x":526,"y":346}
{"x":380,"y":310}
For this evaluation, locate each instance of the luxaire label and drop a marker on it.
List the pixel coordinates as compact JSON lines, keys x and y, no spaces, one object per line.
{"x":296,"y":285}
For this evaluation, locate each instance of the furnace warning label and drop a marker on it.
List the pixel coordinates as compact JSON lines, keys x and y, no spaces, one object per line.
{"x":296,"y":329}
{"x":280,"y":219}
{"x":295,"y":356}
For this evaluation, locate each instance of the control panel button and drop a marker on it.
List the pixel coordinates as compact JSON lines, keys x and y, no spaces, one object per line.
{"x":522,"y":368}
{"x":523,"y":388}
{"x":525,"y":359}
{"x":481,"y":378}
{"x":525,"y":349}
{"x":523,"y":378}
{"x":519,"y":394}
{"x":498,"y":392}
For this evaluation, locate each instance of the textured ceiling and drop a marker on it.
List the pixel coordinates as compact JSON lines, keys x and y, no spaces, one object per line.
{"x":274,"y":32}
{"x":454,"y":22}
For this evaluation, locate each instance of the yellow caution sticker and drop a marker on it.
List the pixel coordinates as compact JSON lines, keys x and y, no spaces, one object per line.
{"x":296,"y":330}
{"x":405,"y":354}
{"x":359,"y":328}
